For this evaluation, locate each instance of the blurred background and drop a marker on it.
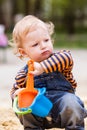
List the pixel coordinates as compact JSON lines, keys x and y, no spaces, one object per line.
{"x":70,"y":20}
{"x":68,"y":16}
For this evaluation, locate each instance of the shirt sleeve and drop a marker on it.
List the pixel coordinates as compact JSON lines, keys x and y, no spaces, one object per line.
{"x":21,"y":76}
{"x":58,"y":61}
{"x":20,"y":80}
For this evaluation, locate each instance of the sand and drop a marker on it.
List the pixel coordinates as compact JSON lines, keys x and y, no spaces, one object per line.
{"x":8,"y":120}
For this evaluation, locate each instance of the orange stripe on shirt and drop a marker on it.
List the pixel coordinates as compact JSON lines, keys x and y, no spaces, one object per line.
{"x":66,"y":60}
{"x":53,"y":64}
{"x":62,"y":62}
{"x":58,"y":63}
{"x":49,"y":66}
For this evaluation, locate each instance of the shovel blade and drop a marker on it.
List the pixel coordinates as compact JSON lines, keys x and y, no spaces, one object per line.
{"x":26,"y":98}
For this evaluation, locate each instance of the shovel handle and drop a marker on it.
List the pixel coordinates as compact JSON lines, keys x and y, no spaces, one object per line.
{"x":30,"y":65}
{"x":30,"y":77}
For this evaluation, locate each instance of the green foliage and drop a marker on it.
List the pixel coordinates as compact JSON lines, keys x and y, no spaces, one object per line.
{"x":60,"y":6}
{"x":73,"y":41}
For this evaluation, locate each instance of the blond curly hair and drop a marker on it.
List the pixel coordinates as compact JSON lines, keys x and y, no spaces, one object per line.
{"x":23,"y":27}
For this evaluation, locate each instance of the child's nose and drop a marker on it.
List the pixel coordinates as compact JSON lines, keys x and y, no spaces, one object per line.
{"x":43,"y":45}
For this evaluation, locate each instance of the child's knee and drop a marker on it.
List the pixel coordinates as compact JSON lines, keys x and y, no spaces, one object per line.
{"x":72,"y":111}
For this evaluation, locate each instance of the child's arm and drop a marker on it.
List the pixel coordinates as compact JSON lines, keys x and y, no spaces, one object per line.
{"x":21,"y":76}
{"x":58,"y":61}
{"x":20,"y":82}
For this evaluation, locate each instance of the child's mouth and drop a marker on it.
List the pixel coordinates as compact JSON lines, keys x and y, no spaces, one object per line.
{"x":46,"y":52}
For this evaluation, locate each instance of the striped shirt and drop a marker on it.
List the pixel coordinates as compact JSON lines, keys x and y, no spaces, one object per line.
{"x":60,"y":61}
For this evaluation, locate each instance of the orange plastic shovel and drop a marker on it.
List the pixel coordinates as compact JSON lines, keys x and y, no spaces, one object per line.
{"x":27,"y":95}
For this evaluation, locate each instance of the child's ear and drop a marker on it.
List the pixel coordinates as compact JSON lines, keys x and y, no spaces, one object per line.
{"x":22,"y":52}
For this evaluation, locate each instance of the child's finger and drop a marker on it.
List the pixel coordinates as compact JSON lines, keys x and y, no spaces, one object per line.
{"x":34,"y":72}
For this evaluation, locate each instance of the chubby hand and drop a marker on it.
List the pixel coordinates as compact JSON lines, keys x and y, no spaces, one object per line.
{"x":18,"y":91}
{"x":37,"y":69}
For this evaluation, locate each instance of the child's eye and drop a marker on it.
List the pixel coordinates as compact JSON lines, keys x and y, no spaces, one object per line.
{"x":46,"y":40}
{"x":36,"y":44}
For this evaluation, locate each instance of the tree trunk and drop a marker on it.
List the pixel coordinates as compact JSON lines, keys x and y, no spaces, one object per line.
{"x":15,"y":7}
{"x":1,"y":16}
{"x":27,"y":6}
{"x":69,"y":20}
{"x":38,"y":8}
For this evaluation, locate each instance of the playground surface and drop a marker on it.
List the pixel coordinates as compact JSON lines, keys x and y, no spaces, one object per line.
{"x":8,"y":70}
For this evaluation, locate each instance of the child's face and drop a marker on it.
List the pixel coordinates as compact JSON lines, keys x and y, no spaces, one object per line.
{"x":38,"y":45}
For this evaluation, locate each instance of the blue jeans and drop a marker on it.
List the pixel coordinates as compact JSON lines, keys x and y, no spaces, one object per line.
{"x":70,"y":111}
